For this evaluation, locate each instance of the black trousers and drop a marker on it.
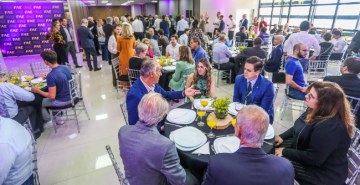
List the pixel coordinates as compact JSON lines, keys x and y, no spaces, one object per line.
{"x":97,"y":46}
{"x":228,"y":66}
{"x":139,"y":35}
{"x":70,"y":47}
{"x":61,"y":53}
{"x":231,"y":35}
{"x":92,"y":52}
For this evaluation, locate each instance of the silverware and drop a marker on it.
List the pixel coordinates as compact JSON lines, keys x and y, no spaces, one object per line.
{"x":225,"y":135}
{"x":167,"y":123}
{"x":213,"y":149}
{"x":268,"y":143}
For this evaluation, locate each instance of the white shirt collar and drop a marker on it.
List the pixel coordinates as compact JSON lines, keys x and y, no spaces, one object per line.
{"x":148,"y":88}
{"x":252,"y":81}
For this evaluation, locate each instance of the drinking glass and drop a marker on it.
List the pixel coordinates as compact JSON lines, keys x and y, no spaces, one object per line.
{"x":233,"y":122}
{"x":211,"y":123}
{"x":201,"y":113}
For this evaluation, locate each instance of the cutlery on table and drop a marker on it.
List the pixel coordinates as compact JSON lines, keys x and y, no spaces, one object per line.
{"x":268,"y":143}
{"x":180,"y":126}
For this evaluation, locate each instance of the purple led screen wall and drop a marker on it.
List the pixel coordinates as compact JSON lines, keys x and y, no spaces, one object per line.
{"x":24,"y":26}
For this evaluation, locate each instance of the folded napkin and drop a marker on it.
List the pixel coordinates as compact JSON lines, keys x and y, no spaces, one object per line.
{"x":204,"y":149}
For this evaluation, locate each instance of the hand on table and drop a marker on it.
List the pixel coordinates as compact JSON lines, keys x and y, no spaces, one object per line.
{"x":191,"y":91}
{"x":279,"y":152}
{"x":35,"y":89}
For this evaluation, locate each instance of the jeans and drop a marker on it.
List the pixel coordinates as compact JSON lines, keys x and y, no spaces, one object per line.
{"x":51,"y":103}
{"x":29,"y":181}
{"x":92,"y":52}
{"x":71,"y":48}
{"x":104,"y":52}
{"x":296,"y":94}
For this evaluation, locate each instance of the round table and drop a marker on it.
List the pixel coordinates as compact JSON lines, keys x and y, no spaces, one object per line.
{"x":197,"y":164}
{"x":165,"y":78}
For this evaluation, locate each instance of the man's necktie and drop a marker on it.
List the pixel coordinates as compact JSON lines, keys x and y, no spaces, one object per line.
{"x":248,"y":94}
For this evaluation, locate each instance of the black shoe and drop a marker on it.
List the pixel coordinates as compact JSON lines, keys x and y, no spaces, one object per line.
{"x":97,"y":69}
{"x":90,"y":69}
{"x":78,"y":66}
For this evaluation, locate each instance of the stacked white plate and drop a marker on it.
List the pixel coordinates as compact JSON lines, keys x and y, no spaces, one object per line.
{"x":226,"y":144}
{"x":188,"y":138}
{"x":197,"y":104}
{"x":270,"y":132}
{"x":37,"y":81}
{"x":169,"y":68}
{"x":234,"y":108}
{"x":181,"y":116}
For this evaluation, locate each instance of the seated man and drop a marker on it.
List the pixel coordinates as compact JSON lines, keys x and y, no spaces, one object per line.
{"x":150,"y":73}
{"x":241,"y":35}
{"x":148,"y":157}
{"x":222,"y":54}
{"x":253,"y":51}
{"x":349,"y":80}
{"x":57,"y":81}
{"x":253,"y":88}
{"x":249,"y":164}
{"x":9,"y":96}
{"x":294,"y":72}
{"x":339,"y":42}
{"x":197,"y":51}
{"x":15,"y":153}
{"x":273,"y":64}
{"x":183,"y":39}
{"x":217,"y":34}
{"x":172,"y":50}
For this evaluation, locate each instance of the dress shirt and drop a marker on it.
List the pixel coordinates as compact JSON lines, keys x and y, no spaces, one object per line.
{"x":182,"y":25}
{"x":9,"y":93}
{"x":183,"y":40}
{"x":217,"y":23}
{"x":173,"y":51}
{"x":339,"y":45}
{"x":112,"y":45}
{"x":15,"y":152}
{"x":304,"y":37}
{"x":319,"y":38}
{"x":68,"y":36}
{"x":221,"y":53}
{"x":198,"y":54}
{"x":148,"y":88}
{"x":232,"y":25}
{"x":138,"y":26}
{"x":252,"y":82}
{"x":157,"y":24}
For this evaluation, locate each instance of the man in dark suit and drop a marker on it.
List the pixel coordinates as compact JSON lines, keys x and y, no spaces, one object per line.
{"x":150,"y":73}
{"x":274,"y":63}
{"x":249,"y":164}
{"x":93,"y":28}
{"x":248,"y":52}
{"x":253,"y":88}
{"x":108,"y":30}
{"x":349,"y":80}
{"x":70,"y":44}
{"x":87,"y":43}
{"x":243,"y":22}
{"x":149,"y":157}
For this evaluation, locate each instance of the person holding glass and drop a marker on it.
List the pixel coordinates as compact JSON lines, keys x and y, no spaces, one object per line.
{"x":185,"y":64}
{"x":318,"y":143}
{"x":202,"y":80}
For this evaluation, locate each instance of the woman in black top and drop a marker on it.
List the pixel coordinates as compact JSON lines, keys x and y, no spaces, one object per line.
{"x":58,"y":42}
{"x":318,"y":142}
{"x":326,"y":47}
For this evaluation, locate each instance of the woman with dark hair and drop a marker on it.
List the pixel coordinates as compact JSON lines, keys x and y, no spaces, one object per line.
{"x":202,"y":79}
{"x":195,"y":31}
{"x":164,"y":24}
{"x":185,"y":64}
{"x":59,"y":43}
{"x":318,"y":142}
{"x":325,"y":47}
{"x":264,"y":36}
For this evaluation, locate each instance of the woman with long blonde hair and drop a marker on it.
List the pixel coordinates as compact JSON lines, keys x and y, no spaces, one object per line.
{"x":202,"y":79}
{"x":184,"y":67}
{"x":318,"y":143}
{"x":125,"y":45}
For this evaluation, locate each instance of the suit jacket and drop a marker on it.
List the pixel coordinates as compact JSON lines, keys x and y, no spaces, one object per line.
{"x":86,"y":37}
{"x":244,"y":23}
{"x":137,"y":91}
{"x":252,"y":51}
{"x":63,"y":33}
{"x":148,"y":157}
{"x":93,"y":28}
{"x":276,"y":57}
{"x":248,"y":166}
{"x":107,"y":28}
{"x":262,"y":93}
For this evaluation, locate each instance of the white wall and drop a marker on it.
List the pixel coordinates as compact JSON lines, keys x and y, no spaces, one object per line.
{"x":150,"y":8}
{"x":170,"y":7}
{"x":226,"y":8}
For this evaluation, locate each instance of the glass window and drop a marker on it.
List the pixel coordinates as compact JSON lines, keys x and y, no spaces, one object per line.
{"x":266,"y":2}
{"x":295,"y":21}
{"x":265,"y":11}
{"x":325,"y":10}
{"x":323,"y":23}
{"x":345,"y":24}
{"x":353,"y":9}
{"x":326,"y":1}
{"x":349,"y":1}
{"x":300,"y":10}
{"x":301,"y":2}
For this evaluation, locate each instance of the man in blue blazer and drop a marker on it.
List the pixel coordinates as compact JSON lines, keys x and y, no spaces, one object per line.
{"x":249,"y":164}
{"x":150,"y":73}
{"x":87,"y":43}
{"x":274,"y":63}
{"x":253,"y":88}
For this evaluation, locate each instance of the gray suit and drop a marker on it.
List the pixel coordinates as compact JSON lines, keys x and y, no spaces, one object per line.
{"x":148,"y":157}
{"x":87,"y":43}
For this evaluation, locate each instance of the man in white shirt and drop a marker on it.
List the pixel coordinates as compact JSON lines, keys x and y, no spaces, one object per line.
{"x":302,"y":37}
{"x":231,"y":27}
{"x":183,"y":39}
{"x":138,"y":28}
{"x":157,"y":23}
{"x":217,"y":21}
{"x":338,"y":41}
{"x":222,"y":54}
{"x":172,"y":50}
{"x":181,"y":26}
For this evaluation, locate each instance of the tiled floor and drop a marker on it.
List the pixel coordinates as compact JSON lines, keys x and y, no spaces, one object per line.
{"x":68,"y":157}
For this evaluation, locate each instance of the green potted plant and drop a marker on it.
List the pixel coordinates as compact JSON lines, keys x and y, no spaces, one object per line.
{"x":221,"y":106}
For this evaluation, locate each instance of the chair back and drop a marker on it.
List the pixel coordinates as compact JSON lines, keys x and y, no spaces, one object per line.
{"x":39,"y":69}
{"x":34,"y":155}
{"x":121,"y":176}
{"x":185,"y":73}
{"x":74,"y":88}
{"x":133,"y":74}
{"x":124,"y":112}
{"x":355,"y":104}
{"x":354,"y":160}
{"x":115,"y":65}
{"x":317,"y":70}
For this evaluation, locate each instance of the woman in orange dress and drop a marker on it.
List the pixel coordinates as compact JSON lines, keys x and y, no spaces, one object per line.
{"x":125,"y":45}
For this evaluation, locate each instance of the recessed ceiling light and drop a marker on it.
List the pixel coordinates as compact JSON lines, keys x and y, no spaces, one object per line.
{"x":104,"y":2}
{"x":108,"y":4}
{"x":154,"y":1}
